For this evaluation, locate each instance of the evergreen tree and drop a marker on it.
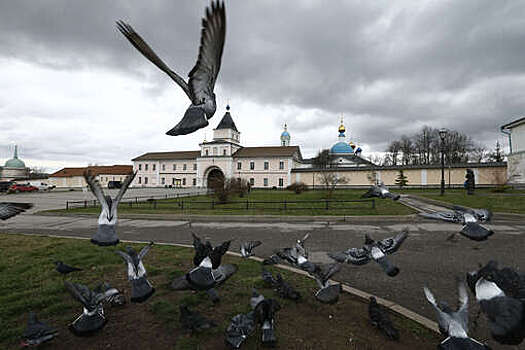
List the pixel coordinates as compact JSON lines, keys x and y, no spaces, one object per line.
{"x":401,"y":179}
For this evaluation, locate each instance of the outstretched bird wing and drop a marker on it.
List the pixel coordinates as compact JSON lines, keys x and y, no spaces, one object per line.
{"x":95,"y":187}
{"x":8,"y":210}
{"x":392,"y":244}
{"x":444,"y":319}
{"x":373,"y":191}
{"x":204,"y":74}
{"x":201,"y":250}
{"x":145,"y":250}
{"x":78,"y":291}
{"x":463,"y":305}
{"x":356,"y":256}
{"x":132,"y":269}
{"x":136,"y":40}
{"x":127,"y":181}
{"x":443,"y":215}
{"x":475,"y":231}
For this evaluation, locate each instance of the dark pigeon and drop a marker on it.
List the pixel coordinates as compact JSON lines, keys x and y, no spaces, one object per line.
{"x":373,"y":250}
{"x":268,"y":278}
{"x":247,"y":248}
{"x":203,"y":250}
{"x":202,"y":77}
{"x":9,"y":209}
{"x":328,"y":293}
{"x":501,"y":294}
{"x":141,"y":288}
{"x":240,"y":328}
{"x":92,"y":318}
{"x":454,"y":324}
{"x":106,"y":234}
{"x":37,"y":332}
{"x":380,"y":191}
{"x":193,"y":320}
{"x":265,"y":315}
{"x":380,"y":319}
{"x":285,"y":290}
{"x":65,"y":269}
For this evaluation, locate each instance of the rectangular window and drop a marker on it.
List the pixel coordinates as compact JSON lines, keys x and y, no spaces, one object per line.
{"x":140,"y":180}
{"x":281,"y":182}
{"x":265,"y":181}
{"x":184,"y":182}
{"x":195,"y":166}
{"x":174,"y":166}
{"x":252,"y":181}
{"x":183,"y":166}
{"x":214,"y":151}
{"x":194,"y":182}
{"x":162,"y":181}
{"x":163,"y":167}
{"x":224,"y":152}
{"x":239,"y":165}
{"x":153,"y":167}
{"x":266,"y":165}
{"x":140,"y":166}
{"x":206,"y":152}
{"x":281,"y":165}
{"x":145,"y":166}
{"x":145,"y":180}
{"x":252,"y":165}
{"x":173,"y":181}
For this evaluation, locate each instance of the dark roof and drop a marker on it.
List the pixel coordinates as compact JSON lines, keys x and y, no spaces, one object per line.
{"x":95,"y":170}
{"x":168,"y":155}
{"x":271,"y":151}
{"x":405,"y":167}
{"x":514,"y":123}
{"x":227,"y":122}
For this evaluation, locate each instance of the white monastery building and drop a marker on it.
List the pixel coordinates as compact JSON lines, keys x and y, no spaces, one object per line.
{"x":516,"y":157}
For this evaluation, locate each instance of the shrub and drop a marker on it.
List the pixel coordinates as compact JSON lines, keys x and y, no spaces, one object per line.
{"x":297,"y":187}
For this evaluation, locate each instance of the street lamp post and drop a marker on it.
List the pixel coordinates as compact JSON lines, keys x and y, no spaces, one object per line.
{"x":442,"y":135}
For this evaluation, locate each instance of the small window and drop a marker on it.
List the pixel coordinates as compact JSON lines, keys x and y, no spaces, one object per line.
{"x":265,"y":181}
{"x":195,"y":166}
{"x":153,"y":167}
{"x":163,"y":167}
{"x":174,"y":166}
{"x":184,"y":182}
{"x":145,"y":166}
{"x":252,"y":181}
{"x":140,"y":166}
{"x":281,"y":182}
{"x":140,"y":180}
{"x":266,"y":165}
{"x":239,"y":165}
{"x":194,"y":182}
{"x":281,"y":165}
{"x":162,"y":181}
{"x":145,"y":180}
{"x":206,"y":152}
{"x":252,"y":165}
{"x":224,"y":152}
{"x":173,"y":181}
{"x":214,"y":151}
{"x":183,"y":166}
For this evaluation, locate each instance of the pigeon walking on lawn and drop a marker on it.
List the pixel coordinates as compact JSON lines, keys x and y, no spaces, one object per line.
{"x":265,"y":311}
{"x":141,"y":289}
{"x":65,"y":269}
{"x":37,"y":332}
{"x":373,"y":250}
{"x":202,"y":77}
{"x":107,"y":221}
{"x":380,"y":191}
{"x":9,"y":209}
{"x":469,"y":218}
{"x":247,"y":248}
{"x":454,"y":324}
{"x":193,"y":320}
{"x":379,"y":318}
{"x":501,"y":294}
{"x":92,"y":318}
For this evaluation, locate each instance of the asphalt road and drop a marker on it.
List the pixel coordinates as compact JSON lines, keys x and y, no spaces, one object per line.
{"x":426,"y":257}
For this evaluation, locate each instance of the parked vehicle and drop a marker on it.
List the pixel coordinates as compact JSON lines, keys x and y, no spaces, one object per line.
{"x":4,"y":185}
{"x":22,"y":188}
{"x":41,"y":185}
{"x":114,"y":184}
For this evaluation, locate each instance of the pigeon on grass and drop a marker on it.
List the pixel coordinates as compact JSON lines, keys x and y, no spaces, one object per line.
{"x":265,"y":311}
{"x":193,"y":321}
{"x":115,"y":299}
{"x":373,"y":250}
{"x":65,"y":269}
{"x":379,"y":318}
{"x":92,"y":318}
{"x":106,"y":234}
{"x":454,"y":324}
{"x":204,"y":250}
{"x":247,"y":248}
{"x":141,"y":288}
{"x":380,"y":191}
{"x":283,"y":288}
{"x":204,"y":74}
{"x":10,"y":209}
{"x":37,"y":332}
{"x":328,"y":293}
{"x":240,"y":328}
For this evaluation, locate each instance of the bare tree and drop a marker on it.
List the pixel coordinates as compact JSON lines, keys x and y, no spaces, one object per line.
{"x":393,"y":150}
{"x":323,"y":160}
{"x":496,"y":156}
{"x":331,"y":180}
{"x":479,"y":153}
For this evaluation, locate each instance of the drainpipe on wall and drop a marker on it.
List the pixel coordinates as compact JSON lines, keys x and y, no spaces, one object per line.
{"x":508,"y":133}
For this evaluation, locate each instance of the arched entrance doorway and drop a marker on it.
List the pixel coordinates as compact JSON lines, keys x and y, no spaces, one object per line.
{"x":215,"y":178}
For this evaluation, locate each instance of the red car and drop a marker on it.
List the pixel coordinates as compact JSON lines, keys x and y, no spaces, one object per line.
{"x":22,"y":188}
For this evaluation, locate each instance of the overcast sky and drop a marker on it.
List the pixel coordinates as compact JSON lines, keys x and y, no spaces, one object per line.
{"x":74,"y":91}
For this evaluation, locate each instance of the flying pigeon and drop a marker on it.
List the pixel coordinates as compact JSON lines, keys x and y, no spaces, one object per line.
{"x":380,"y":319}
{"x":65,"y":269}
{"x":37,"y":332}
{"x":202,"y":77}
{"x":469,"y":218}
{"x":247,"y":248}
{"x":193,"y":320}
{"x":296,"y":255}
{"x":115,"y":299}
{"x":380,"y":191}
{"x":92,"y":318}
{"x":265,"y":311}
{"x":329,"y":293}
{"x":141,"y":289}
{"x":373,"y":250}
{"x":501,"y":294}
{"x":203,"y":250}
{"x":9,"y":209}
{"x":454,"y":324}
{"x":107,"y":221}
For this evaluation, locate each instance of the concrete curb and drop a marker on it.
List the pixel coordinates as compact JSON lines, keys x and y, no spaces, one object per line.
{"x":425,"y":322}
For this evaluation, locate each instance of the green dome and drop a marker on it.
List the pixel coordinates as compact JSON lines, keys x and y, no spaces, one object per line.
{"x":15,"y":163}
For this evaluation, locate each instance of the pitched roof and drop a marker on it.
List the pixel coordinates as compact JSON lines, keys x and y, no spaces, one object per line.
{"x":271,"y":151}
{"x":227,"y":122}
{"x":95,"y":170}
{"x":168,"y":155}
{"x":514,"y":123}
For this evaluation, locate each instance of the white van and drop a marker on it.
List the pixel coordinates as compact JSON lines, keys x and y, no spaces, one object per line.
{"x":41,"y":185}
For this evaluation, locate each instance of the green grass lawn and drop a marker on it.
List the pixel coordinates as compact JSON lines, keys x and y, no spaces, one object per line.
{"x":270,"y":202}
{"x":29,"y":282}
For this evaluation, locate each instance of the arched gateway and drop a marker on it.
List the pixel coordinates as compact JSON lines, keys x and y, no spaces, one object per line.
{"x":214,"y":176}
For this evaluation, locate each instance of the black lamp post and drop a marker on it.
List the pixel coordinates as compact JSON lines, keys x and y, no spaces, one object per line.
{"x":442,"y":135}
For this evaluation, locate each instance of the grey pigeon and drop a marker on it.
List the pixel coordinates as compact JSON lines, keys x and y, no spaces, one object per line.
{"x":470,"y":218}
{"x":202,"y":77}
{"x":10,"y":209}
{"x":65,"y":269}
{"x":265,"y":316}
{"x":107,"y":221}
{"x":379,"y":318}
{"x":285,"y":290}
{"x":380,"y":191}
{"x":240,"y":328}
{"x":37,"y":332}
{"x":193,"y":320}
{"x":501,"y":294}
{"x":247,"y":248}
{"x":454,"y":324}
{"x":268,"y":278}
{"x":373,"y":250}
{"x":328,"y":293}
{"x":92,"y":318}
{"x":203,"y":250}
{"x":114,"y":299}
{"x":141,"y":288}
